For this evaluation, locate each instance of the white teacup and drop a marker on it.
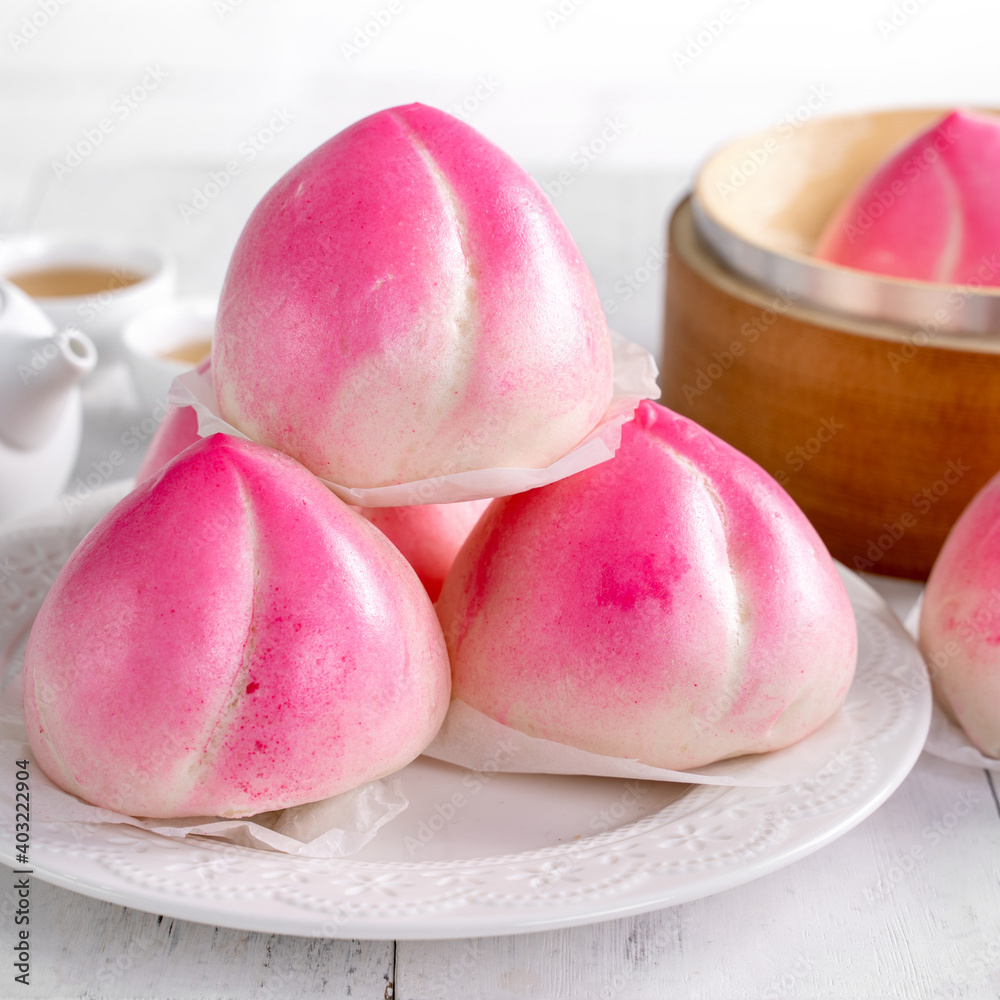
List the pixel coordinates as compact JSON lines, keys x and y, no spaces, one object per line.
{"x":165,"y":341}
{"x":92,"y":283}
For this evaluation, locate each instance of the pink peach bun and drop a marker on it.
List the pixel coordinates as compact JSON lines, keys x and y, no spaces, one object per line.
{"x":231,"y":639}
{"x":672,"y":605}
{"x":931,"y":212}
{"x":405,"y":303}
{"x":960,"y":621}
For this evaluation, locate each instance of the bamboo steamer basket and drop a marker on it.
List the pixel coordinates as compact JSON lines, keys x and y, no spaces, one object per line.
{"x":874,"y":401}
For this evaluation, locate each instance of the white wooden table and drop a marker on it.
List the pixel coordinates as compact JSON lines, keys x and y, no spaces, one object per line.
{"x":869,"y":916}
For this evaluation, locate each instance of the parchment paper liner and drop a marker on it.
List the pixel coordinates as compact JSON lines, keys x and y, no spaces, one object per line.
{"x":634,"y":380}
{"x":471,"y":739}
{"x":947,"y":739}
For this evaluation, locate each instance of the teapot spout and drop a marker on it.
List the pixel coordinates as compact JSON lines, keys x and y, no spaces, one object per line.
{"x":37,"y":376}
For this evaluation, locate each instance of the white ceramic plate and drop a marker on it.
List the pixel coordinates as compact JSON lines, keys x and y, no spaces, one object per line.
{"x":510,"y":853}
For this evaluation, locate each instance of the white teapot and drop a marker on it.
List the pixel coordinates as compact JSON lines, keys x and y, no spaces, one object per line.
{"x":40,"y":410}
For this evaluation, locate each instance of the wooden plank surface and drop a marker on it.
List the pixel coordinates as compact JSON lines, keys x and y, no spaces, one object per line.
{"x":87,"y":948}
